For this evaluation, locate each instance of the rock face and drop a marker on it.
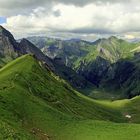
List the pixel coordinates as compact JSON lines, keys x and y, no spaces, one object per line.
{"x":8,"y":46}
{"x":95,"y":71}
{"x":124,"y":76}
{"x":51,"y":51}
{"x":119,"y":73}
{"x":27,"y":47}
{"x":10,"y":49}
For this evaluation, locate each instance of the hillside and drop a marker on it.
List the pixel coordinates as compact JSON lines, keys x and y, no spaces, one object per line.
{"x":111,"y":49}
{"x":36,"y":104}
{"x":69,"y":70}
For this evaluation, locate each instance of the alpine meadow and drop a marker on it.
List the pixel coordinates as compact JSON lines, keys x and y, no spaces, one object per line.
{"x":69,"y":70}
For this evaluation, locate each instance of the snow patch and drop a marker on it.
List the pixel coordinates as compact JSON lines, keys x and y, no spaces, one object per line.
{"x":128,"y":116}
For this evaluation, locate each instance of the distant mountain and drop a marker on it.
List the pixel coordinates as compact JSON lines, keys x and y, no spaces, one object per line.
{"x":114,"y":49}
{"x":10,"y":49}
{"x":41,"y":41}
{"x":95,"y":61}
{"x":27,"y":47}
{"x":111,"y":49}
{"x":73,"y":51}
{"x":68,"y":51}
{"x":113,"y":63}
{"x":134,"y":40}
{"x":55,"y":65}
{"x":94,"y":70}
{"x":107,"y":51}
{"x":124,"y":75}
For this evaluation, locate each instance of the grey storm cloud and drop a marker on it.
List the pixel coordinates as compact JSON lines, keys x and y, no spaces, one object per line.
{"x":11,"y":7}
{"x":85,"y":17}
{"x":93,"y":30}
{"x":28,"y":3}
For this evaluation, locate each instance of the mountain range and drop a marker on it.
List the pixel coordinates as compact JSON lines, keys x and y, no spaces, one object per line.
{"x":104,"y":62}
{"x":53,"y":89}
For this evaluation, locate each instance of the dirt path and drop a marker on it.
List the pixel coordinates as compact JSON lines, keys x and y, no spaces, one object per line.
{"x":39,"y":134}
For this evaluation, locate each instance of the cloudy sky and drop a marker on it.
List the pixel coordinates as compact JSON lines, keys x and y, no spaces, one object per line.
{"x":86,"y":19}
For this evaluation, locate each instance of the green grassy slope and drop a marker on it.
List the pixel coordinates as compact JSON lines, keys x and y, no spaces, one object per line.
{"x":113,"y":49}
{"x":36,"y":104}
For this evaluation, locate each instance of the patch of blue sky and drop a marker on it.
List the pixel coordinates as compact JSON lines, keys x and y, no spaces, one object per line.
{"x":2,"y":20}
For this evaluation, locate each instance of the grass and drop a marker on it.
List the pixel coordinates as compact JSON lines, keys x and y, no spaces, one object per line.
{"x":101,"y":93}
{"x":113,"y":48}
{"x":36,"y":104}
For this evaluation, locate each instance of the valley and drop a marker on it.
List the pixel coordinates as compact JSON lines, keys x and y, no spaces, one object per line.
{"x":94,"y":96}
{"x":107,"y":64}
{"x":61,"y":114}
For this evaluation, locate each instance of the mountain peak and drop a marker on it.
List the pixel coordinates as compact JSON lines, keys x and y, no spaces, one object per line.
{"x":8,"y":45}
{"x":113,"y":38}
{"x":26,"y":47}
{"x":25,"y":41}
{"x":6,"y":33}
{"x":2,"y":29}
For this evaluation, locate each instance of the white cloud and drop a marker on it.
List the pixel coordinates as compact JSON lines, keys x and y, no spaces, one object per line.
{"x":89,"y":19}
{"x":129,"y":36}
